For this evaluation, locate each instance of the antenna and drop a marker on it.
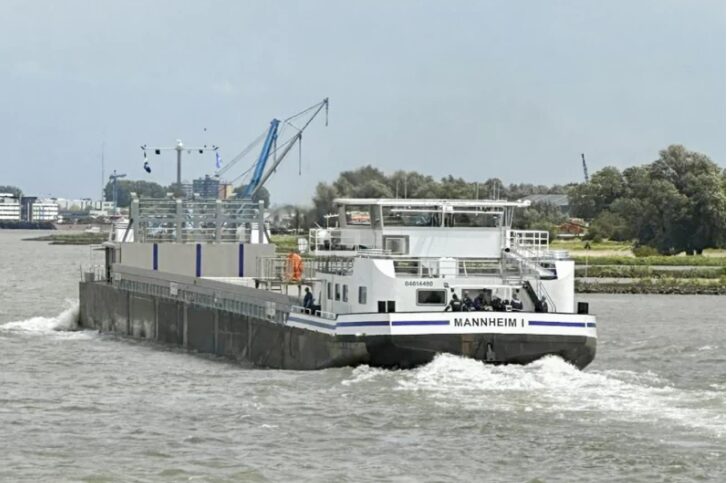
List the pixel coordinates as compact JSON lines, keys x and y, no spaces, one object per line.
{"x":103,"y":174}
{"x":113,"y":179}
{"x":585,"y":168}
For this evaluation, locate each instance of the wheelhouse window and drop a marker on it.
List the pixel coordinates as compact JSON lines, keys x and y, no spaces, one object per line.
{"x":473,"y":219}
{"x":411,"y":216}
{"x":345,"y":293}
{"x":338,"y":291}
{"x":328,"y":289}
{"x":431,"y":297}
{"x":357,"y":215}
{"x":362,"y":295}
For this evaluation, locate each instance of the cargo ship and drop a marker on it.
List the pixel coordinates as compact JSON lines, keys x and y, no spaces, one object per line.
{"x":394,"y":283}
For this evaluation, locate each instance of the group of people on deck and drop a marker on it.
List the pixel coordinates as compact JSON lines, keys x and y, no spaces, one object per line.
{"x":483,"y":303}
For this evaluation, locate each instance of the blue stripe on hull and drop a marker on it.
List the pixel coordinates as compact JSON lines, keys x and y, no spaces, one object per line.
{"x":560,"y":324}
{"x":384,"y":323}
{"x":420,"y":322}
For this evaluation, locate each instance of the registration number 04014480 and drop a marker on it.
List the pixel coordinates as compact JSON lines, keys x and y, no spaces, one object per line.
{"x":419,"y":283}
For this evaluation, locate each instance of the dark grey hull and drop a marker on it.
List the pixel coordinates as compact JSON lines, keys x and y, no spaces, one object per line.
{"x":268,"y":344}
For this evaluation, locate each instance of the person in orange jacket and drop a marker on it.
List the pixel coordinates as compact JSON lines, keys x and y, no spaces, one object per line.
{"x":295,"y":267}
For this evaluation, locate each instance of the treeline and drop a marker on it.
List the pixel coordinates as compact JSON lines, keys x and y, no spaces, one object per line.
{"x":674,"y":204}
{"x":14,"y":190}
{"x":370,"y":182}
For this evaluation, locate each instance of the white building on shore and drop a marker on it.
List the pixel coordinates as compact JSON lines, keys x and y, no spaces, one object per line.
{"x":44,"y":210}
{"x":9,"y":207}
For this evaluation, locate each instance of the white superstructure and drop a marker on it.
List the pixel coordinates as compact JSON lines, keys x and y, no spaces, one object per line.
{"x":394,"y":255}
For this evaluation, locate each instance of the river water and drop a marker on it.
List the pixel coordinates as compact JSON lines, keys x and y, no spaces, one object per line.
{"x":82,"y":406}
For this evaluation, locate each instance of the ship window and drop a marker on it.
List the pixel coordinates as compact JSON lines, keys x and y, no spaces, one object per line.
{"x":345,"y":293}
{"x":362,"y":295}
{"x":338,"y":291}
{"x":473,"y":219}
{"x":411,"y":216}
{"x":357,"y":215}
{"x":396,"y":245}
{"x":328,"y":286}
{"x":431,"y":297}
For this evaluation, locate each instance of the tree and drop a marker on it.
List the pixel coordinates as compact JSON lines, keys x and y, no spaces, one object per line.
{"x":323,"y":203}
{"x":124,"y":188}
{"x":610,"y":226}
{"x":589,"y":199}
{"x":261,"y":194}
{"x":676,"y":203}
{"x":539,"y":216}
{"x":14,"y":190}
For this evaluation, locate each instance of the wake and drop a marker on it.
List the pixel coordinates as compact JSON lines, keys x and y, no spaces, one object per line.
{"x":64,"y":322}
{"x":552,"y":386}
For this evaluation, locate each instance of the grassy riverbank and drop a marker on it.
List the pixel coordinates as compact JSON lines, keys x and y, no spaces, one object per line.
{"x":82,"y":238}
{"x":675,"y":286}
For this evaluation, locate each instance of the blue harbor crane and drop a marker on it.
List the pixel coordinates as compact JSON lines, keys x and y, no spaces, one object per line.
{"x":273,"y":148}
{"x":585,"y":168}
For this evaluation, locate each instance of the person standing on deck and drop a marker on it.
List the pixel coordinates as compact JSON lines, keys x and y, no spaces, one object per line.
{"x":295,"y":267}
{"x":516,"y":303}
{"x":467,"y":303}
{"x":455,"y":305}
{"x":308,"y":300}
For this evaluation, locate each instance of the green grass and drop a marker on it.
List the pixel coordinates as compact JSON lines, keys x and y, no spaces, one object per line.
{"x":637,"y":271}
{"x":285,"y":243}
{"x":694,"y":261}
{"x":72,"y":238}
{"x":576,"y":244}
{"x":656,"y":286}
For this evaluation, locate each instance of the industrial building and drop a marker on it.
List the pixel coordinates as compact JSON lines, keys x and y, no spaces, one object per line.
{"x":207,"y":187}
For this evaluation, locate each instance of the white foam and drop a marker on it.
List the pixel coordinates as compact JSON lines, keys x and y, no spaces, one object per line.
{"x":551,"y":385}
{"x":63,"y":322}
{"x":364,"y":373}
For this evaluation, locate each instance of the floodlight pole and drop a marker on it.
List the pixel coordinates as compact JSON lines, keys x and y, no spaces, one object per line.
{"x":179,"y":148}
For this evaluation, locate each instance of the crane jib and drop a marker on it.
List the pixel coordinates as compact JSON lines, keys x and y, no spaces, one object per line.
{"x":262,"y":160}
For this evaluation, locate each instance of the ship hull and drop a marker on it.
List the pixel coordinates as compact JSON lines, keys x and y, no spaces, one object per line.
{"x":306,"y":342}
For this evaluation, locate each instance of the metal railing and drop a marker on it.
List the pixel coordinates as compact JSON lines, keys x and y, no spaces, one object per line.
{"x":463,"y":267}
{"x":182,"y":221}
{"x":92,"y":273}
{"x":220,"y":300}
{"x":328,"y":239}
{"x":530,"y":241}
{"x":318,"y":313}
{"x":281,"y":269}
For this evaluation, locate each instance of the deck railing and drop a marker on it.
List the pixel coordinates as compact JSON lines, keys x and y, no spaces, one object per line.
{"x":187,"y":221}
{"x":226,"y":300}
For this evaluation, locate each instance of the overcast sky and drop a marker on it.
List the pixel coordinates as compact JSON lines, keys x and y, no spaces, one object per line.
{"x":508,"y":89}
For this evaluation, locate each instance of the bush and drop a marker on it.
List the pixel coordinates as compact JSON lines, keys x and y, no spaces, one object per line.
{"x":645,"y":251}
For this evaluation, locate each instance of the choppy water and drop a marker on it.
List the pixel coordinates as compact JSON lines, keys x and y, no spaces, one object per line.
{"x":76,"y":405}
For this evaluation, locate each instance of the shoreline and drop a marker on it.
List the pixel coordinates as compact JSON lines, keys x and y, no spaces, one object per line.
{"x":650,"y":287}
